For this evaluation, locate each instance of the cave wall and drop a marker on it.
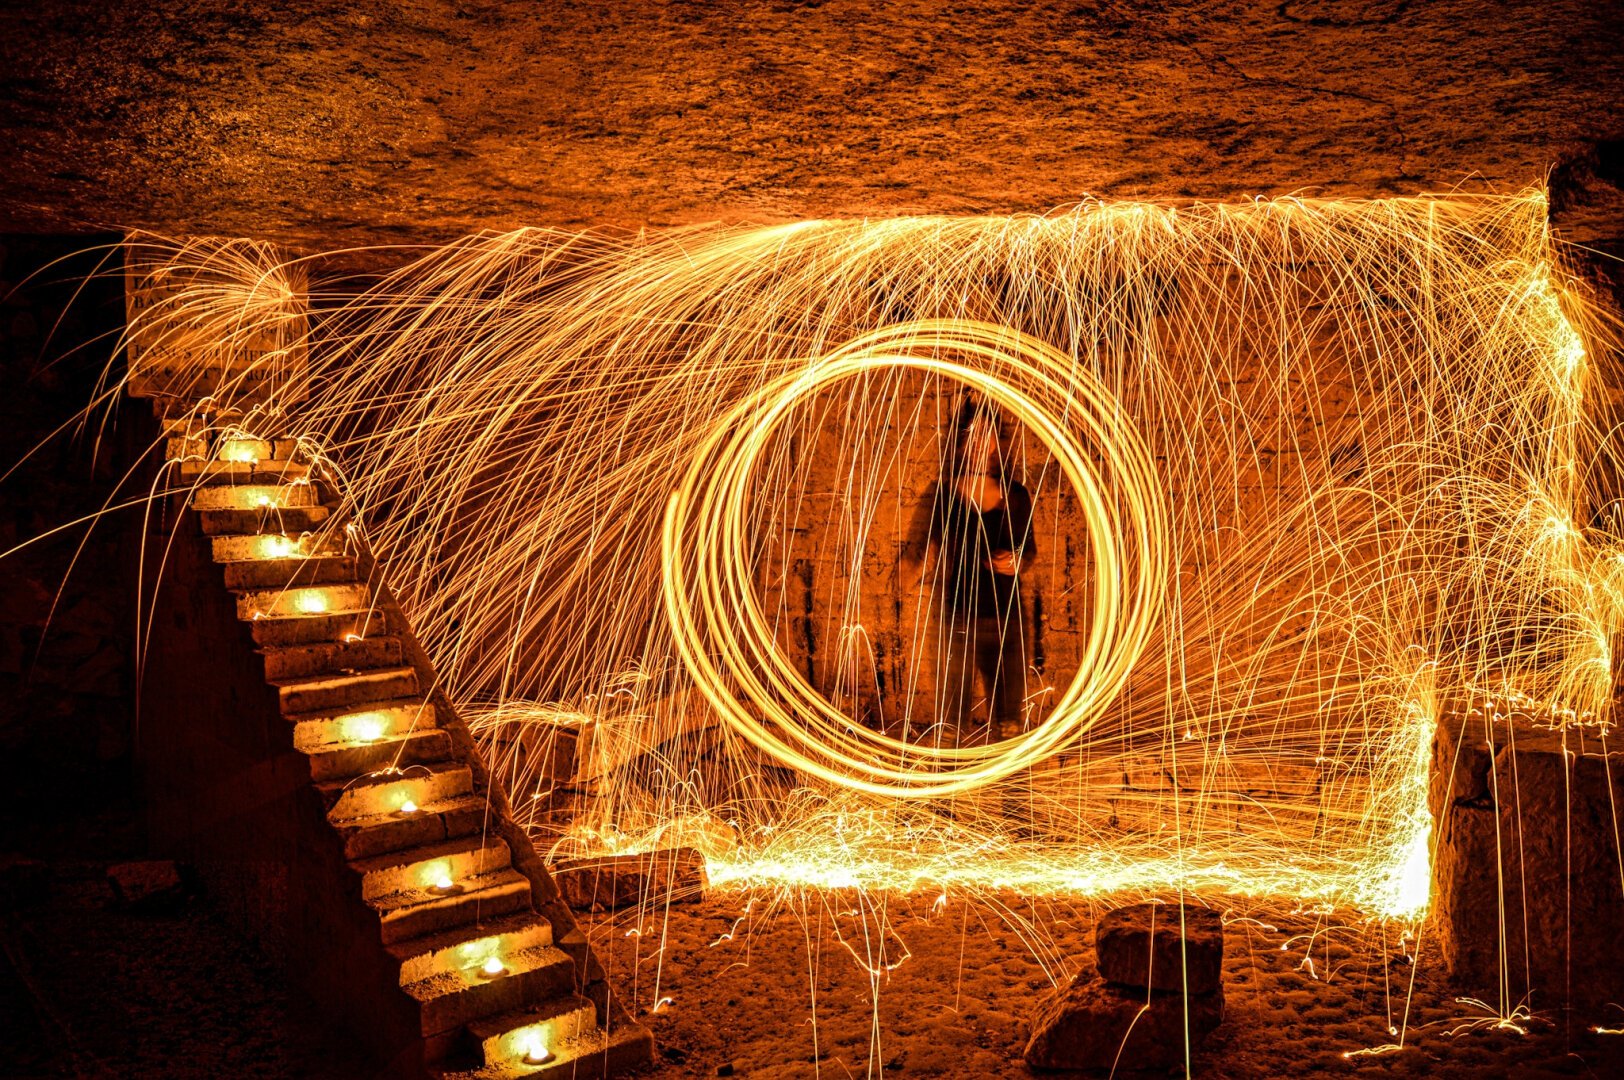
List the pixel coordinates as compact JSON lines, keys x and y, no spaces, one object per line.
{"x":67,"y":602}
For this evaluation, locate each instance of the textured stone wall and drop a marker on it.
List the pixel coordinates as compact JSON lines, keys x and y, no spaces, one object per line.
{"x":1526,"y":875}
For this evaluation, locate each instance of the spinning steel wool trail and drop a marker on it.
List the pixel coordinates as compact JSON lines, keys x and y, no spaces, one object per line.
{"x":1304,"y":474}
{"x":713,"y":503}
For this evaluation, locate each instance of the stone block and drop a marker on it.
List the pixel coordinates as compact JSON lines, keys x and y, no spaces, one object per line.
{"x":1092,"y":1024}
{"x":1527,"y":899}
{"x":1149,"y":946}
{"x":671,"y":876}
{"x":148,"y":886}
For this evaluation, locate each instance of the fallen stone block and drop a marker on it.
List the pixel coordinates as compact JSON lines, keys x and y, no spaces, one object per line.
{"x":1148,"y":946}
{"x":673,"y":875}
{"x":1092,"y":1024}
{"x":1527,"y":901}
{"x":148,"y":886}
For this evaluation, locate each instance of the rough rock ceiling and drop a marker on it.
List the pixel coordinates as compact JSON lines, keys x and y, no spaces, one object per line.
{"x":325,"y":124}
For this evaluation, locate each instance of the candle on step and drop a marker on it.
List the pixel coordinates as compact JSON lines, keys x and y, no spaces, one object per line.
{"x":444,"y":885}
{"x":493,"y":967}
{"x":365,"y":727}
{"x":535,"y":1049}
{"x":407,"y":808}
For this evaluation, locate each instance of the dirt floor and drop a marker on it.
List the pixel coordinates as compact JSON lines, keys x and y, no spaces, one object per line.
{"x":736,"y":984}
{"x":746,"y":987}
{"x":89,"y":989}
{"x":325,"y":124}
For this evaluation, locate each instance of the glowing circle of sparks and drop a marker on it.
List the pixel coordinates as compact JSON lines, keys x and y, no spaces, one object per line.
{"x":729,"y":647}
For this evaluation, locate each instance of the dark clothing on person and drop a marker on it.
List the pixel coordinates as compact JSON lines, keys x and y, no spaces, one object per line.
{"x":967,"y":538}
{"x":993,"y":651}
{"x":982,"y":628}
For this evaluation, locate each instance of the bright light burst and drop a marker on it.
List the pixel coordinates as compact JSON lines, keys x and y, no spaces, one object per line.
{"x":1330,"y":465}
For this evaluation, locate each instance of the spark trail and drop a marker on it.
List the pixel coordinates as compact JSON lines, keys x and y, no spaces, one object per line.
{"x":1331,"y":465}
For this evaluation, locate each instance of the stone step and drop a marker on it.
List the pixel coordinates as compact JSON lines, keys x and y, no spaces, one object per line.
{"x":345,"y":690}
{"x":209,"y":473}
{"x":182,"y":449}
{"x":415,"y":913}
{"x":252,"y":547}
{"x":256,"y":497}
{"x":332,"y":657}
{"x":239,"y":449}
{"x":445,"y":819}
{"x":539,"y":1035}
{"x":288,"y":573}
{"x":456,"y":861}
{"x":295,"y":519}
{"x":449,"y":1000}
{"x":468,"y":948}
{"x":303,"y":601}
{"x":427,"y":747}
{"x":179,"y":422}
{"x":378,"y":721}
{"x":286,"y":630}
{"x":405,"y":792}
{"x":595,"y":1053}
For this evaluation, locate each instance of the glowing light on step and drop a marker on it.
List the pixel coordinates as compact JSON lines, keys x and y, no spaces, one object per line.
{"x":310,"y":602}
{"x":364,"y":727}
{"x":534,"y":1045}
{"x":407,"y":808}
{"x":246,"y":453}
{"x":275,"y":547}
{"x":493,"y":968}
{"x":444,"y":885}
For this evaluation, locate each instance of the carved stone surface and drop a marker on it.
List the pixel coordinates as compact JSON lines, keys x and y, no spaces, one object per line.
{"x":154,"y":885}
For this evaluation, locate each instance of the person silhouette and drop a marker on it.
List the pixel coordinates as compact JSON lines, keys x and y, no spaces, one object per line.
{"x":972,"y":536}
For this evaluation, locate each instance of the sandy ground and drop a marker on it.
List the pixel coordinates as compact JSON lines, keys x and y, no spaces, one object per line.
{"x":325,"y":124}
{"x":790,"y":990}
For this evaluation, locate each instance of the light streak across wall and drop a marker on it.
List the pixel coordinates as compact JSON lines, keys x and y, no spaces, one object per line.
{"x":1331,"y":466}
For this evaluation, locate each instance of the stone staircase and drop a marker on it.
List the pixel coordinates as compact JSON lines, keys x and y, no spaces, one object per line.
{"x":483,"y":950}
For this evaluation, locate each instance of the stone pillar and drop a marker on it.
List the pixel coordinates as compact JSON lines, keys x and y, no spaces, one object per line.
{"x":220,"y":319}
{"x":1528,"y":883}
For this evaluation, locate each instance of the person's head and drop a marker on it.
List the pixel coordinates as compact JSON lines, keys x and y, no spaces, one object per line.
{"x":976,"y":445}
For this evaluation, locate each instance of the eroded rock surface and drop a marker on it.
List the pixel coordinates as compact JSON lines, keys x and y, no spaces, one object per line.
{"x":323,"y":124}
{"x":1149,"y":946}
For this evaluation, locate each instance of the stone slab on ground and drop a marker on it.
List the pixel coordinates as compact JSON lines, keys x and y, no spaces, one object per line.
{"x":1150,"y":946}
{"x":1092,"y":1024}
{"x":154,"y":885}
{"x":672,"y":875}
{"x":1526,"y":865}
